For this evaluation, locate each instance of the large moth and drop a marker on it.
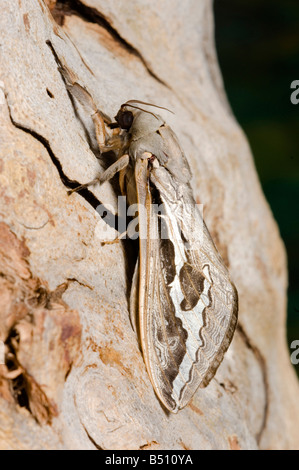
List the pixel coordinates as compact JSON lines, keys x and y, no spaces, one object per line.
{"x":183,"y":304}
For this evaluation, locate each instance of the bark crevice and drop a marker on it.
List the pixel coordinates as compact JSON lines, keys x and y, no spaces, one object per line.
{"x":67,"y":182}
{"x":93,"y":15}
{"x":263,"y":366}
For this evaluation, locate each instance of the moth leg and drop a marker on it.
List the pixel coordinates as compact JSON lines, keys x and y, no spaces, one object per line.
{"x":13,"y":374}
{"x":115,"y":240}
{"x":85,"y":99}
{"x":117,"y":166}
{"x":114,"y":143}
{"x":100,"y":129}
{"x":106,"y":143}
{"x":122,"y":183}
{"x":134,"y":298}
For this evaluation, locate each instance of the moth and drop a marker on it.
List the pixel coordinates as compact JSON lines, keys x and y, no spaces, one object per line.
{"x":183,"y":304}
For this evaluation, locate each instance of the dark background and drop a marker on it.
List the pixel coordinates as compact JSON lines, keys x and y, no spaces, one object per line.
{"x":258,"y":50}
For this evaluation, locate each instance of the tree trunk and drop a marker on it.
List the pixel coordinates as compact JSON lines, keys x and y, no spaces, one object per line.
{"x":74,"y":377}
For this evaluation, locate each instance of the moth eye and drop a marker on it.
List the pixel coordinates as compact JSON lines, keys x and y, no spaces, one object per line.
{"x":124,"y":119}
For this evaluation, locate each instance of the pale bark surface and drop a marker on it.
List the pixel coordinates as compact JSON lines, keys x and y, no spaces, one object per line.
{"x":73,"y":360}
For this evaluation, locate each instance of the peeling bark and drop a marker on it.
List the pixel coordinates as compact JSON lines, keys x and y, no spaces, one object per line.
{"x":74,"y":377}
{"x":28,"y":309}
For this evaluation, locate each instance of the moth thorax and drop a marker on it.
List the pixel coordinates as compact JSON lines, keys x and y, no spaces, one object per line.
{"x":144,"y":124}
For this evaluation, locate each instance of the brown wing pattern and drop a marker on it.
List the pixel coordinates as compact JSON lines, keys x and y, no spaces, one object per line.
{"x":187,"y":303}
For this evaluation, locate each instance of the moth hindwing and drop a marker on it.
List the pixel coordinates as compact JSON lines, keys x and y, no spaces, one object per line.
{"x":187,"y":306}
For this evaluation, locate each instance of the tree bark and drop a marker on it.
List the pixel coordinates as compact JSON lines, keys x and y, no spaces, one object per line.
{"x":74,"y":377}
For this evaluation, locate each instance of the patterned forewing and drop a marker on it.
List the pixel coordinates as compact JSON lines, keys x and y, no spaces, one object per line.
{"x":163,"y":338}
{"x":187,"y":304}
{"x":201,"y":300}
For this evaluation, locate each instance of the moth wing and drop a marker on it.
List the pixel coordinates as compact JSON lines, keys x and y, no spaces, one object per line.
{"x":177,"y":164}
{"x":154,"y":310}
{"x":187,"y":303}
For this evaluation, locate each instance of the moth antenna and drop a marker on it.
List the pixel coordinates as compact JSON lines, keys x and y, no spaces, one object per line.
{"x":141,"y":109}
{"x":147,"y":104}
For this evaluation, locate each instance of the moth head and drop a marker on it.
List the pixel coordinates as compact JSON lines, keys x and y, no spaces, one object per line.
{"x":125,"y":117}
